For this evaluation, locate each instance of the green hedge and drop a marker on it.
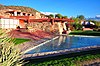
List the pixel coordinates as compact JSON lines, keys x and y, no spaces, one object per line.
{"x":89,"y":33}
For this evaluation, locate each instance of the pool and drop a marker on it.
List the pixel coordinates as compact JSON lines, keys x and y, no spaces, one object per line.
{"x":66,"y":42}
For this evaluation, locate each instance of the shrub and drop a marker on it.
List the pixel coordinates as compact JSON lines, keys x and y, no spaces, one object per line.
{"x":9,"y":54}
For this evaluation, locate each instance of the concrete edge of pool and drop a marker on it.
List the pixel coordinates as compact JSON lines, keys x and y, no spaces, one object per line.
{"x":54,"y":39}
{"x":83,"y":36}
{"x":41,"y":44}
{"x":56,"y":53}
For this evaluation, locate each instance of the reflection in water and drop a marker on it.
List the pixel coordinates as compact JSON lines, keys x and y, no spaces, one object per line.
{"x":61,"y":40}
{"x":66,"y":42}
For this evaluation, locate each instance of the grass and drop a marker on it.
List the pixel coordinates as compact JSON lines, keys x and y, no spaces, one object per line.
{"x":66,"y":60}
{"x":89,"y":33}
{"x":20,"y":40}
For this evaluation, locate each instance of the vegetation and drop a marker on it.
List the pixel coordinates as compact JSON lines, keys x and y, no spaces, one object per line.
{"x":64,"y":16}
{"x":81,"y":17}
{"x":77,"y":22}
{"x":50,"y":16}
{"x":89,"y":33}
{"x":20,"y":40}
{"x":72,"y":59}
{"x":58,"y":16}
{"x":10,"y":55}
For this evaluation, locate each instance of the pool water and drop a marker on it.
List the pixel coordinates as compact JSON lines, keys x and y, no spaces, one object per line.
{"x":66,"y":42}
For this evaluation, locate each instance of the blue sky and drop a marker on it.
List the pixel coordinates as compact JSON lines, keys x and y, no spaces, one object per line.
{"x":88,"y":8}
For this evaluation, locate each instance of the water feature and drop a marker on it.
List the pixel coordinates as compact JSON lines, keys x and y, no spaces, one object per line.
{"x":66,"y":42}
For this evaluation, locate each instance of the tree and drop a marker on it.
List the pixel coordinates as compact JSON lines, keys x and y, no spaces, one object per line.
{"x":76,"y":24}
{"x":76,"y":20}
{"x":50,"y":16}
{"x":9,"y":53}
{"x":64,"y":16}
{"x":81,"y":17}
{"x":58,"y":16}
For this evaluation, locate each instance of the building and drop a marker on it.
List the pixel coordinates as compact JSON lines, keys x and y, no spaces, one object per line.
{"x":6,"y":23}
{"x":18,"y":18}
{"x":19,"y":14}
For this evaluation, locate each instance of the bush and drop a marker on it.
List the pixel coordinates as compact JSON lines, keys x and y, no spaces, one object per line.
{"x":77,"y":26}
{"x":89,"y":33}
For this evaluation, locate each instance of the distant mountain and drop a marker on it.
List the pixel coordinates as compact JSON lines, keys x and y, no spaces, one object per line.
{"x":95,"y":18}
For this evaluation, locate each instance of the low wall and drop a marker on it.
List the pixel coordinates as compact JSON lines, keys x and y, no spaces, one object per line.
{"x":56,"y":53}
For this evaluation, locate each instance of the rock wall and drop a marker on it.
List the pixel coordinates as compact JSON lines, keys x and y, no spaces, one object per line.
{"x":45,"y":26}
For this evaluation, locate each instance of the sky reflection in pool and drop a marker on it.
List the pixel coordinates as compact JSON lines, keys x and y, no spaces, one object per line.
{"x":66,"y":42}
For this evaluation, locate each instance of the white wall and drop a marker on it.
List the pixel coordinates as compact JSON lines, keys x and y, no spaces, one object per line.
{"x":37,"y":15}
{"x":8,"y":23}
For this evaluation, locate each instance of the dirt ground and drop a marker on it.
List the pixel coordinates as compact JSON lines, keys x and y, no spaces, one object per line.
{"x":37,"y":35}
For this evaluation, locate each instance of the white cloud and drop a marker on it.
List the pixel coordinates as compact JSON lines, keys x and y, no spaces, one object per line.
{"x":97,"y":15}
{"x":48,"y":13}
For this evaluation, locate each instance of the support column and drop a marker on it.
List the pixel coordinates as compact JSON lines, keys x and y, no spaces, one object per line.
{"x":65,"y":28}
{"x":69,"y":28}
{"x":15,"y":13}
{"x":52,"y":25}
{"x":21,"y":14}
{"x":60,"y":28}
{"x":26,"y":14}
{"x":64,"y":25}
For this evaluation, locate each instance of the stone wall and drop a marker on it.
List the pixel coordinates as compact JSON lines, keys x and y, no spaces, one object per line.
{"x":45,"y":26}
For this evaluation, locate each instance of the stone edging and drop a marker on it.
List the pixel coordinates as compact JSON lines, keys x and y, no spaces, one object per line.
{"x":83,"y":35}
{"x":78,"y":35}
{"x":55,"y":53}
{"x":41,"y":44}
{"x":60,"y":52}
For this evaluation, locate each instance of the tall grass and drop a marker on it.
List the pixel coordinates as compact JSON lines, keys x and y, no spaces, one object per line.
{"x":10,"y":55}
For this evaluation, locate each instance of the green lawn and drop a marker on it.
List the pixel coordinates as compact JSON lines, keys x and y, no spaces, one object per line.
{"x":89,"y":33}
{"x":66,"y":60}
{"x":20,"y":40}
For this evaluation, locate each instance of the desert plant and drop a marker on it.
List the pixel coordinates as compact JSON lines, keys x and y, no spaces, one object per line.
{"x":9,"y":53}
